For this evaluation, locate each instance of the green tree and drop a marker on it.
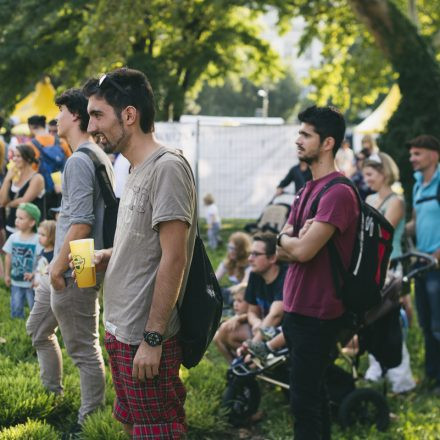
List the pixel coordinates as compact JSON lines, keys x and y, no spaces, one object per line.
{"x":177,"y":44}
{"x":368,"y":44}
{"x":37,"y":38}
{"x":240,"y":98}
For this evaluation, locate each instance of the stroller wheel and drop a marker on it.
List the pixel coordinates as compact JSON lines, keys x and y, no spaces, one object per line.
{"x":366,"y":407}
{"x":241,"y":398}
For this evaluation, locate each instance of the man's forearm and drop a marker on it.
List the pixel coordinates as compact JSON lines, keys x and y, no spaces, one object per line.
{"x":410,"y":228}
{"x":290,"y":250}
{"x":166,"y":290}
{"x":272,"y":319}
{"x":8,"y":264}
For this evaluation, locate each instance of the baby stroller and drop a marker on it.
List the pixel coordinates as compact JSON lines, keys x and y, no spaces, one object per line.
{"x":349,"y":404}
{"x":274,"y":215}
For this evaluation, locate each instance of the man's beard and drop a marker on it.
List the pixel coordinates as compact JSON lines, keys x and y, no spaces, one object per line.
{"x":309,"y":160}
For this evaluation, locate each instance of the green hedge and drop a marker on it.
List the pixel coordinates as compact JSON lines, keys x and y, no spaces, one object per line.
{"x":27,"y":411}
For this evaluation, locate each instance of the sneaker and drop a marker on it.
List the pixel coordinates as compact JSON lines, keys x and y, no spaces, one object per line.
{"x":258,"y":349}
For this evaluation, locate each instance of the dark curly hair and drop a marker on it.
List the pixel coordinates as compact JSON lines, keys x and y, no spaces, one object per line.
{"x":76,"y":103}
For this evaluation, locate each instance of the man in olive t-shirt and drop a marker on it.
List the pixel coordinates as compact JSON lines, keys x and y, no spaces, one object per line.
{"x":147,"y":268}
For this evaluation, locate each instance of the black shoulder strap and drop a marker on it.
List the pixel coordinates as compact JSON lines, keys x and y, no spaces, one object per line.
{"x":327,"y":186}
{"x":336,"y":264}
{"x":427,"y":199}
{"x":107,"y":191}
{"x":388,"y":197}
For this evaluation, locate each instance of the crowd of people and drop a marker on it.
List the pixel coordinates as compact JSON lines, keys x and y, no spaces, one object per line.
{"x":290,"y":305}
{"x":270,"y":280}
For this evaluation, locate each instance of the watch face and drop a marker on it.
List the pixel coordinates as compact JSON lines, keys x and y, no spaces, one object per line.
{"x":153,"y":338}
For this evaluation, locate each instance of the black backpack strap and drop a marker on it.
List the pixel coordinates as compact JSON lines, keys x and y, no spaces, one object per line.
{"x":427,"y":199}
{"x":107,"y":191}
{"x":336,"y":265}
{"x":327,"y":186}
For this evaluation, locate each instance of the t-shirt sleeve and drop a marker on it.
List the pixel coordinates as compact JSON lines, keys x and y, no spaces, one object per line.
{"x":80,"y":176}
{"x":7,"y":247}
{"x":172,"y":194}
{"x":339,"y":207}
{"x":278,"y":294}
{"x":249,"y":295}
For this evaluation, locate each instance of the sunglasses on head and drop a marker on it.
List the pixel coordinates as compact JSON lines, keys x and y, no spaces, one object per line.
{"x":106,"y":78}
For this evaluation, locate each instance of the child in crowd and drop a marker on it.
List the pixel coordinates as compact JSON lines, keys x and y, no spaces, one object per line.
{"x":236,"y":264}
{"x":46,"y":238}
{"x":213,"y":221}
{"x":239,"y":304}
{"x":228,"y":346}
{"x":21,"y":250}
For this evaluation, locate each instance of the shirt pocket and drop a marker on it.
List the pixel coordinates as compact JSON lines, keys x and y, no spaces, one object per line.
{"x":136,"y":211}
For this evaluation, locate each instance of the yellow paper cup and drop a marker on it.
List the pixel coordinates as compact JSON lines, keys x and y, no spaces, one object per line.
{"x":82,"y":256}
{"x":56,"y":177}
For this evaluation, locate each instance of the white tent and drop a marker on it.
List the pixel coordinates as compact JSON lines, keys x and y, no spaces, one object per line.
{"x":376,"y":122}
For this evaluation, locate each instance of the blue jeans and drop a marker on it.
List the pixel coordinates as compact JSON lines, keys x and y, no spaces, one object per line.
{"x":213,"y":235}
{"x":312,"y":344}
{"x":18,"y":295}
{"x":428,"y":311}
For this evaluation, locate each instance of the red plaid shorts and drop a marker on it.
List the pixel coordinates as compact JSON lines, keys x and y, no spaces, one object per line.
{"x":155,"y":407}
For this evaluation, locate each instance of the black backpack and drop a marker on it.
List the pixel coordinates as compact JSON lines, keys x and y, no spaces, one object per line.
{"x":200,"y":309}
{"x":111,"y":203}
{"x":360,"y":286}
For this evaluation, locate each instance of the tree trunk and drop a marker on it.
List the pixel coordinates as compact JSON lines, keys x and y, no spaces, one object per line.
{"x":419,"y":78}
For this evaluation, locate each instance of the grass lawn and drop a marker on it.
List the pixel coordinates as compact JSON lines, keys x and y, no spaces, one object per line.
{"x":28,"y":412}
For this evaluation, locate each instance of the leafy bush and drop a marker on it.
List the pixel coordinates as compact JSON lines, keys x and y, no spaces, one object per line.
{"x":205,"y":385}
{"x":22,"y":396}
{"x":38,"y":415}
{"x":31,"y":430}
{"x":101,"y":425}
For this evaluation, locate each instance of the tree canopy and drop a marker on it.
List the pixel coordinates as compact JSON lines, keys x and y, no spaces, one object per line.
{"x":177,"y":44}
{"x":357,"y":69}
{"x":240,"y":98}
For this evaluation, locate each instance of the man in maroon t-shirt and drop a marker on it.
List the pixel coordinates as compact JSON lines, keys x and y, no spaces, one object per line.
{"x":313,"y":311}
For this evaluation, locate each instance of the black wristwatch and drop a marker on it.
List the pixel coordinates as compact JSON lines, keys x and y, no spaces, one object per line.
{"x":279,"y":237}
{"x":153,"y":339}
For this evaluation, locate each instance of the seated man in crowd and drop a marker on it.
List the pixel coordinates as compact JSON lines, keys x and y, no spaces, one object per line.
{"x":264,"y":295}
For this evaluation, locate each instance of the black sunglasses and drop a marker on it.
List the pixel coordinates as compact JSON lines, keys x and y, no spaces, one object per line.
{"x":107,"y":78}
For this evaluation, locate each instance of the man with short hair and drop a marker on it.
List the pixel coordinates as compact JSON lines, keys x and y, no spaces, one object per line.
{"x":313,"y":312}
{"x":147,"y":268}
{"x":264,"y":294}
{"x":42,"y":139}
{"x":424,"y":156}
{"x":52,"y":127}
{"x":62,"y":303}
